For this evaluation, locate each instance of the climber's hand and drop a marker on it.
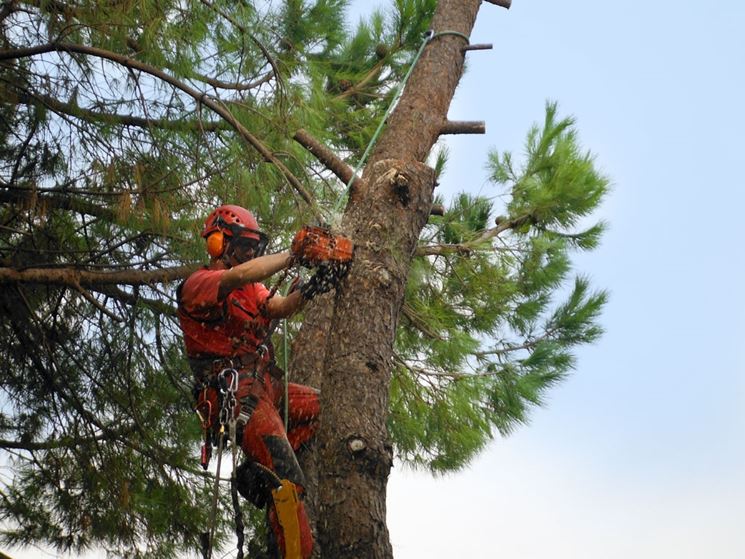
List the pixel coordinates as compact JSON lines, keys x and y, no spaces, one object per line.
{"x":327,"y":277}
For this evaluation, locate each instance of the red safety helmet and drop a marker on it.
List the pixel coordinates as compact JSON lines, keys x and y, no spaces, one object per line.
{"x":231,"y":222}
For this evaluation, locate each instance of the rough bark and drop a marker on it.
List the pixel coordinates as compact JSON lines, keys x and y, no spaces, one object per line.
{"x":353,"y":445}
{"x":385,"y":215}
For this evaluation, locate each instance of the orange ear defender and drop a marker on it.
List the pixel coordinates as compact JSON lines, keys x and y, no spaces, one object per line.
{"x":216,"y":244}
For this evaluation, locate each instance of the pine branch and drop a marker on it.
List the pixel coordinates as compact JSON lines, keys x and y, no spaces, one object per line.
{"x":200,"y":97}
{"x":74,"y":110}
{"x":442,"y":250}
{"x":237,"y":86}
{"x":527,"y":346}
{"x":419,"y":323}
{"x":124,"y":297}
{"x":243,"y":30}
{"x":353,"y":90}
{"x":73,"y":277}
{"x":468,"y":247}
{"x":93,"y":301}
{"x":332,"y":161}
{"x":60,"y":443}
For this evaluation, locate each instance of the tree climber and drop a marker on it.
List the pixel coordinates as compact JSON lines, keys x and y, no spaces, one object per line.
{"x":225,"y":314}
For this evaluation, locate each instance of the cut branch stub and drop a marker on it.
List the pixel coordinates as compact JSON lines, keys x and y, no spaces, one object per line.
{"x":482,"y":46}
{"x":503,"y":3}
{"x":463,"y":127}
{"x":437,"y":209}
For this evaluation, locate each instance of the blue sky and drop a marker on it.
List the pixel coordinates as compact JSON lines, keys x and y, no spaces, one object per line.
{"x":640,"y":453}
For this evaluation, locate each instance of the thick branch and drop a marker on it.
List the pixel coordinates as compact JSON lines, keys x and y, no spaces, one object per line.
{"x":69,"y":442}
{"x":73,"y":277}
{"x":332,"y":161}
{"x":211,"y":103}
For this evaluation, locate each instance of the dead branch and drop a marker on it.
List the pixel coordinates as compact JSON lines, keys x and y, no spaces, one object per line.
{"x":502,"y":3}
{"x":477,"y":46}
{"x":463,"y":127}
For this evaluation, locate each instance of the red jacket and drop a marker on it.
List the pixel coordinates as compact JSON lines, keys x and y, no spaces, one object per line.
{"x":215,"y":327}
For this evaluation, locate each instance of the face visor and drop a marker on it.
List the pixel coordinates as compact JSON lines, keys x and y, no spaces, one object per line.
{"x":245,"y":248}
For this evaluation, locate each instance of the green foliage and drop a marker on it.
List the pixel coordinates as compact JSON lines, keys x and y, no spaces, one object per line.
{"x":105,"y":168}
{"x":484,"y":337}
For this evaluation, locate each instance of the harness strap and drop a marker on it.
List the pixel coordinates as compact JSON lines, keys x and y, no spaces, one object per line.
{"x":246,"y":410}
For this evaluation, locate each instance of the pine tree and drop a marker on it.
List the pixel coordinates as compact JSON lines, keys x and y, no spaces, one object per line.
{"x":124,"y":124}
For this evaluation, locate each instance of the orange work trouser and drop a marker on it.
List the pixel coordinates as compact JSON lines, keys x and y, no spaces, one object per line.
{"x":264,"y":439}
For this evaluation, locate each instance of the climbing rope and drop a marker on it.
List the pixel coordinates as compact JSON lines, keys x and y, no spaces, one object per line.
{"x":286,"y":375}
{"x":228,"y":397}
{"x":428,"y":37}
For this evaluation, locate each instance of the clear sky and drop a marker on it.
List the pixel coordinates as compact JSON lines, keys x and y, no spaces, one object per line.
{"x":641,"y":452}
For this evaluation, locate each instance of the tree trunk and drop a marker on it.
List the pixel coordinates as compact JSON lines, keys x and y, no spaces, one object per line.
{"x":385,"y":215}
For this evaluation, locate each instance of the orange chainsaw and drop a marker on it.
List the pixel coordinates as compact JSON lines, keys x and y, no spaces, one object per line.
{"x":315,"y":246}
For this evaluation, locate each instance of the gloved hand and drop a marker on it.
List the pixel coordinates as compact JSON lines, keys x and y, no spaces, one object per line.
{"x":297,"y":283}
{"x":326,"y":277}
